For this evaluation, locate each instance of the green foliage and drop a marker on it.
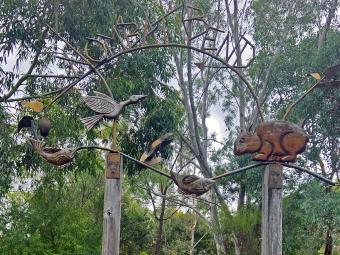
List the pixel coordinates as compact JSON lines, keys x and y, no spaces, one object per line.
{"x":60,"y":217}
{"x":65,"y":217}
{"x":50,"y":210}
{"x":137,"y":227}
{"x":245,"y":225}
{"x":308,"y":213}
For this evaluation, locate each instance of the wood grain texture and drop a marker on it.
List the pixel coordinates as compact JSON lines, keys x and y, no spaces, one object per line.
{"x":112,"y":215}
{"x":271,"y":232}
{"x":113,"y":161}
{"x":273,"y":141}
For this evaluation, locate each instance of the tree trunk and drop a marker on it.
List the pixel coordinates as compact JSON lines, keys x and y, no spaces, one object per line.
{"x":192,"y":230}
{"x":236,"y":244}
{"x":329,"y":242}
{"x":159,"y":237}
{"x":218,"y":238}
{"x":241,"y":197}
{"x":323,"y":32}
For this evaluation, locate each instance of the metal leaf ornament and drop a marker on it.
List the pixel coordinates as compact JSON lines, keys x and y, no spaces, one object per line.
{"x":34,"y":105}
{"x":316,"y":76}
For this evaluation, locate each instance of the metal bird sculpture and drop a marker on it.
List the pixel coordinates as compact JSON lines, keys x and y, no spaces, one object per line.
{"x":106,"y":107}
{"x":150,"y":155}
{"x":44,"y":126}
{"x":25,"y":122}
{"x":192,"y":184}
{"x":55,"y":156}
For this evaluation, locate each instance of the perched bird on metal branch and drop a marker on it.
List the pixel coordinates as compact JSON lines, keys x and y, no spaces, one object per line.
{"x":24,"y":122}
{"x":27,"y":122}
{"x":106,"y":107}
{"x":150,"y":155}
{"x":55,"y":156}
{"x":44,"y":126}
{"x":192,"y":184}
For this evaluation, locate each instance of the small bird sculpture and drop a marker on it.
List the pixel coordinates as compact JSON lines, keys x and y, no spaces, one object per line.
{"x":44,"y":126}
{"x":192,"y":184}
{"x":150,"y":155}
{"x":55,"y":156}
{"x":27,"y":122}
{"x":24,"y":122}
{"x":106,"y":107}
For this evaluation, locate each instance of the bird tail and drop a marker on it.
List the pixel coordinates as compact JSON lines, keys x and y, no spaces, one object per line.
{"x":37,"y":145}
{"x":89,"y":122}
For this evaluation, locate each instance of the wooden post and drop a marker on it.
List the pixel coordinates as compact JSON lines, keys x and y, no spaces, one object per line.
{"x":271,"y":243}
{"x":112,"y":200}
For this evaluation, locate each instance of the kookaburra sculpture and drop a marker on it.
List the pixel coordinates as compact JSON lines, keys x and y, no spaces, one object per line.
{"x":53,"y":155}
{"x":106,"y":107}
{"x":192,"y":184}
{"x":150,"y":155}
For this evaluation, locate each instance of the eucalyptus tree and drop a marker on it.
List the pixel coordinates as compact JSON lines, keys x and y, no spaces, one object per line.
{"x":48,"y":37}
{"x":308,"y":47}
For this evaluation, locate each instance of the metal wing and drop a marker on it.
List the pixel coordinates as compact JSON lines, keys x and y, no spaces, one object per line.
{"x":51,"y":149}
{"x":99,"y":94}
{"x":100,"y":104}
{"x":189,"y":179}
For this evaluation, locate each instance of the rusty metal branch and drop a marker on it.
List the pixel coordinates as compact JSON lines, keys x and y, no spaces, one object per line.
{"x":322,"y":178}
{"x":84,"y":58}
{"x":53,"y":76}
{"x":300,"y":98}
{"x":168,"y":45}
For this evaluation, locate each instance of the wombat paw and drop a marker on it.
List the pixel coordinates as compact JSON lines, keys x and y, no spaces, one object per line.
{"x":289,"y":158}
{"x":260,"y":157}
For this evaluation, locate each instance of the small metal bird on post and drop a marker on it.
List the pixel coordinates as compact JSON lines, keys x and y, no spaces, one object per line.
{"x":106,"y":107}
{"x":53,"y":155}
{"x":192,"y":184}
{"x":150,"y":155}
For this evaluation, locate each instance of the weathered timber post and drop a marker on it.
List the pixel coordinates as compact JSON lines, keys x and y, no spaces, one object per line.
{"x":271,"y":243}
{"x":112,"y":200}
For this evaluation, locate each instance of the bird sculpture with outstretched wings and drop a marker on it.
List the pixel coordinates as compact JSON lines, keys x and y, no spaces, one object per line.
{"x":106,"y":107}
{"x":150,"y":155}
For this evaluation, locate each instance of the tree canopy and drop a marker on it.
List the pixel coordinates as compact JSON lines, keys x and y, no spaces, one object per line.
{"x":234,"y":62}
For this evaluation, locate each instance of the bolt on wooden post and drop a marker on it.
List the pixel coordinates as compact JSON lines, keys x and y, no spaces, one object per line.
{"x":112,"y":200}
{"x":271,"y":241}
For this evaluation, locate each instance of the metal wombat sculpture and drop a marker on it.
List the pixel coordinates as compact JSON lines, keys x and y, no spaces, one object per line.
{"x":273,"y":141}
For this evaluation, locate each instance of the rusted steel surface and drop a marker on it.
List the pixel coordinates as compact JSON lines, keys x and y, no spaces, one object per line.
{"x":279,"y":141}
